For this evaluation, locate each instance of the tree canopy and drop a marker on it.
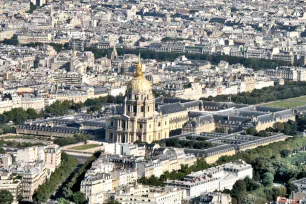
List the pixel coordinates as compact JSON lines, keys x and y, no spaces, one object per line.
{"x":267,"y":94}
{"x":6,"y":197}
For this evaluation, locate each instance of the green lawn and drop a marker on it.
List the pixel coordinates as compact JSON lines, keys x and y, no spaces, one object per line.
{"x":84,"y":147}
{"x":289,"y":103}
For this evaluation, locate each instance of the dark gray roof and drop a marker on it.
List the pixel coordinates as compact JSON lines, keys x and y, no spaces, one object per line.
{"x":164,"y":100}
{"x":302,"y":108}
{"x":225,"y":119}
{"x":193,"y":114}
{"x":171,"y":108}
{"x":268,"y":109}
{"x":250,"y":113}
{"x":210,"y":151}
{"x":192,"y":104}
{"x":204,"y":119}
{"x":265,"y":118}
{"x":219,"y":105}
{"x":284,"y":113}
{"x":223,"y":105}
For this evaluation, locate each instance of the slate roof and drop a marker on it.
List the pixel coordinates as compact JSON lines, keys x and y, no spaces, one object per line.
{"x":210,"y":151}
{"x":192,"y":104}
{"x":171,"y":108}
{"x":224,"y":119}
{"x":302,"y":108}
{"x":165,"y":100}
{"x":284,"y":113}
{"x":198,"y":121}
{"x":223,"y":105}
{"x":265,"y":118}
{"x":193,"y":114}
{"x":250,"y":113}
{"x":268,"y":109}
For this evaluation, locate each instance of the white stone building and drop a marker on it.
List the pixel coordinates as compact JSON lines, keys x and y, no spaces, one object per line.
{"x":216,"y":178}
{"x":148,"y":194}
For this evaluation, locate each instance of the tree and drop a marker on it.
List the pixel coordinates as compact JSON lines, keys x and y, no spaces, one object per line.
{"x":262,"y":133}
{"x":279,"y":126}
{"x":239,"y":190}
{"x":249,"y":199}
{"x":6,"y":197}
{"x":63,"y":201}
{"x":220,"y":130}
{"x":291,"y":187}
{"x":251,"y":131}
{"x":230,"y":131}
{"x":45,"y":190}
{"x":79,"y":198}
{"x":268,"y":179}
{"x":285,"y":153}
{"x":32,"y":114}
{"x":290,"y":128}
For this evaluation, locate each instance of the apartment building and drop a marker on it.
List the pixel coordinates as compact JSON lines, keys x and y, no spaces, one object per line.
{"x":148,"y":194}
{"x":94,"y":186}
{"x":26,"y":38}
{"x":33,"y":174}
{"x":69,"y":78}
{"x":287,"y":73}
{"x":216,"y":178}
{"x":12,"y":184}
{"x":37,"y":103}
{"x":52,"y":157}
{"x":6,"y":34}
{"x":5,"y":160}
{"x":164,"y":159}
{"x":123,"y":177}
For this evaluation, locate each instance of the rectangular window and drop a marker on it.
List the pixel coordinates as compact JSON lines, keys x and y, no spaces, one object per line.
{"x":142,"y":108}
{"x":135,"y":109}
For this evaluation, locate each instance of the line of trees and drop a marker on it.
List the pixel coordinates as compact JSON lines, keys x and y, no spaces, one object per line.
{"x":57,"y":47}
{"x":71,"y":190}
{"x":19,"y":115}
{"x":267,"y":94}
{"x":72,"y":140}
{"x":194,"y":144}
{"x":256,"y":64}
{"x":174,"y":175}
{"x":44,"y":191}
{"x":16,"y":144}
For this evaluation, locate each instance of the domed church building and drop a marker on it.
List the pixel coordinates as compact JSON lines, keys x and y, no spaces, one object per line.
{"x":141,"y":119}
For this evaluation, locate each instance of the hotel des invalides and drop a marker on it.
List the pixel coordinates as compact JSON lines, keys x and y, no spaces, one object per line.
{"x":147,"y":119}
{"x":142,"y":120}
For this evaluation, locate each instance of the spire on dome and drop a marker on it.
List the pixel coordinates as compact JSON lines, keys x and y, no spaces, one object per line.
{"x":139,"y":67}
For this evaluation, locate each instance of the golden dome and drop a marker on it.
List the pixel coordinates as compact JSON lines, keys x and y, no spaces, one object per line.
{"x":139,"y":84}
